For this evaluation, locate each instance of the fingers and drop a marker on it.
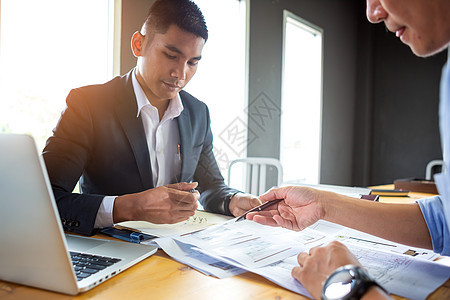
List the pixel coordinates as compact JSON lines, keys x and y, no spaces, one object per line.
{"x":263,"y":213}
{"x":301,"y":258}
{"x":185,"y":200}
{"x":309,"y":273}
{"x":253,"y":202}
{"x":263,"y":220}
{"x":327,"y":258}
{"x":296,"y":272}
{"x":183,"y":194}
{"x":164,"y":204}
{"x":240,"y":203}
{"x":183,"y":186}
{"x":287,"y":223}
{"x":269,"y":195}
{"x":273,"y":194}
{"x":269,"y":216}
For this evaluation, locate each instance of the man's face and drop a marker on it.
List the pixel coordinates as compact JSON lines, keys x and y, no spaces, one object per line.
{"x":166,"y":62}
{"x":421,"y":24}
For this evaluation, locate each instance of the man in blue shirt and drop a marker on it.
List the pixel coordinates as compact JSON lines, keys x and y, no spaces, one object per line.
{"x":424,"y":26}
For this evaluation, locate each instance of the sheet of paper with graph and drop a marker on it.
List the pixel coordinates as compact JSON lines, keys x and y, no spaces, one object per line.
{"x":271,"y":252}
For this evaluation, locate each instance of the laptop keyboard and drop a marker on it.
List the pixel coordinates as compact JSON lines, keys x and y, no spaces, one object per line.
{"x":87,"y":264}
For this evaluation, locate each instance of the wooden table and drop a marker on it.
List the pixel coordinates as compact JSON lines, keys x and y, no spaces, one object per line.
{"x":160,"y":277}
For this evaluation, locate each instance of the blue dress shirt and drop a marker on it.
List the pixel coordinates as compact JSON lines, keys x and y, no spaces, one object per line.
{"x":436,"y":210}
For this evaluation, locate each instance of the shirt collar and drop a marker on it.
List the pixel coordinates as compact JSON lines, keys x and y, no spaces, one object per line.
{"x":173,"y":110}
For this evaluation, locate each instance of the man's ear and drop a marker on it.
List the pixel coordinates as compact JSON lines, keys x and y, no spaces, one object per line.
{"x":137,"y":41}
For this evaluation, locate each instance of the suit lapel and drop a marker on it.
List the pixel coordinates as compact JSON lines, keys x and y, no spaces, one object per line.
{"x":185,"y":129}
{"x":126,"y":110}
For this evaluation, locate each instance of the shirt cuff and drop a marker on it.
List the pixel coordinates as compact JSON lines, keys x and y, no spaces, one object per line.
{"x":105,"y":213}
{"x":433,"y":213}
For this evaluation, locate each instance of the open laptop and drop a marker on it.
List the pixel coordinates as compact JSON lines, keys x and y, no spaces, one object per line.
{"x":34,"y":250}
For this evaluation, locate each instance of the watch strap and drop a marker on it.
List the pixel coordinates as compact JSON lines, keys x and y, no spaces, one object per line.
{"x":363,"y":282}
{"x":366,"y":283}
{"x":227,"y":200}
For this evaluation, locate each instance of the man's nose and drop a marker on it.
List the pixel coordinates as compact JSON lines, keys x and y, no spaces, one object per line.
{"x":375,"y":11}
{"x":179,"y":71}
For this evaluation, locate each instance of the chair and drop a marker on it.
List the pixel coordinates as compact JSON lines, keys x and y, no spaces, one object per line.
{"x":256,"y":171}
{"x":431,"y":168}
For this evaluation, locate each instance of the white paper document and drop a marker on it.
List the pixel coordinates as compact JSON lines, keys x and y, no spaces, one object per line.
{"x":272,"y":253}
{"x":351,"y":237}
{"x":398,"y":274}
{"x":190,"y":256}
{"x":278,"y":272}
{"x":250,"y":244}
{"x":401,"y":274}
{"x":200,"y":220}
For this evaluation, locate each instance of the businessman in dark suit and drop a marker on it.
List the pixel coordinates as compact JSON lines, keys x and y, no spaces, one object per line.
{"x":139,"y":143}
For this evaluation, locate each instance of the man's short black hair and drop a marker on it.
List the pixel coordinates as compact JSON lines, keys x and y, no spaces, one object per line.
{"x":183,"y":13}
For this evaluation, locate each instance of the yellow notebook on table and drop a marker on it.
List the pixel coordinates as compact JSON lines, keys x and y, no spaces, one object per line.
{"x":200,"y":220}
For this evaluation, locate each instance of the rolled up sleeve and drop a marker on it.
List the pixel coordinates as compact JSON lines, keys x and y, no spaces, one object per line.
{"x":433,"y":212}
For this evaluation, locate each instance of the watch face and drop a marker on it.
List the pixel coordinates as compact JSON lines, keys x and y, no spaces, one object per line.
{"x":339,"y":284}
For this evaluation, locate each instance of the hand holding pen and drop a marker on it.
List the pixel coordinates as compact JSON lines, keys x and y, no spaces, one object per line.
{"x":171,"y":203}
{"x":298,"y":208}
{"x":258,"y":209}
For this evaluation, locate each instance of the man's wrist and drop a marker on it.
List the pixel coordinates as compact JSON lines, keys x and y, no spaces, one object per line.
{"x":331,"y":205}
{"x":122,"y":209}
{"x":227,"y":201}
{"x":325,"y":205}
{"x":375,"y":293}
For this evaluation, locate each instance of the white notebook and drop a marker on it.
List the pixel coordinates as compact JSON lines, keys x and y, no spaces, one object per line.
{"x":200,"y":220}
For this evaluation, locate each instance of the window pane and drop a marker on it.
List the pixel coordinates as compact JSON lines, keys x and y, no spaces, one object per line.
{"x":220,"y":79}
{"x":302,"y":101}
{"x":48,"y":47}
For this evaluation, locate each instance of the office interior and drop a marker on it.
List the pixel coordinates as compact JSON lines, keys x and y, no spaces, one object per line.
{"x":380,"y":102}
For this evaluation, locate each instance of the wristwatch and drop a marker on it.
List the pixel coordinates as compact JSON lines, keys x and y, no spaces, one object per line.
{"x":227,"y":200}
{"x":348,"y":283}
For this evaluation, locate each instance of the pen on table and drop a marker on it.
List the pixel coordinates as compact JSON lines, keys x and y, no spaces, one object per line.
{"x":258,"y":208}
{"x":121,"y":227}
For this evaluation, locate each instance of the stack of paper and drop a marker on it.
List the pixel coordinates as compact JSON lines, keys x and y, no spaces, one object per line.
{"x":218,"y":246}
{"x":271,"y":252}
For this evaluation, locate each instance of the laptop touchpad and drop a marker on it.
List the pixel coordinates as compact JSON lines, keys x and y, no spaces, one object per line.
{"x":80,"y":244}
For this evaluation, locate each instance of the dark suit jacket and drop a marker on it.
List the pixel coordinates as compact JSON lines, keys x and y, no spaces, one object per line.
{"x":99,"y":138}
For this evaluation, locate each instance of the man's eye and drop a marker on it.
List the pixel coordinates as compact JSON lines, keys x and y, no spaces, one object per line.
{"x":170,"y":56}
{"x":193,"y":63}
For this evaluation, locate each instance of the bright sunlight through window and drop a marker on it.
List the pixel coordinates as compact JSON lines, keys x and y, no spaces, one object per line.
{"x":48,"y":47}
{"x":220,"y":79}
{"x":301,"y":101}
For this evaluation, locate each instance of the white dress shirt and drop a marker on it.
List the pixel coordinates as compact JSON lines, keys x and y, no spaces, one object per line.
{"x":163,"y":141}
